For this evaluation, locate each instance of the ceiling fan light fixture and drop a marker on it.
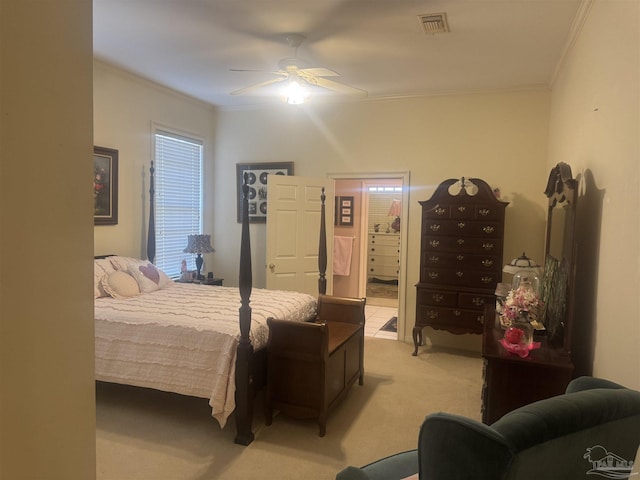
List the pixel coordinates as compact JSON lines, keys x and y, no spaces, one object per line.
{"x":295,"y":92}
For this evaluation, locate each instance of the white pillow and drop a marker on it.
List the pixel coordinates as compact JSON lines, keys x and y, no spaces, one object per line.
{"x":122,"y":263}
{"x":101,"y":267}
{"x":120,"y":284}
{"x":149,"y":277}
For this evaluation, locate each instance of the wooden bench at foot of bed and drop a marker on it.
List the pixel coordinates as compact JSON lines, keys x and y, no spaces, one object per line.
{"x":311,"y":366}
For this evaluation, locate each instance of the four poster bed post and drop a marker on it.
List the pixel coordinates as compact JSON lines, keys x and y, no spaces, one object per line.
{"x":244,"y":382}
{"x":251,"y":365}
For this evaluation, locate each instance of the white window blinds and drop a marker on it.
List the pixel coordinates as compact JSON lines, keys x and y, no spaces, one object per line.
{"x":178,"y":198}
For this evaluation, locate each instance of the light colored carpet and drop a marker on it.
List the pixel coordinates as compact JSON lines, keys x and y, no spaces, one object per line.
{"x":145,"y":434}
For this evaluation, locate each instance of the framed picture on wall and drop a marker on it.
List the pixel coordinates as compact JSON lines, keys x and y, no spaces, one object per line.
{"x":257,"y":174}
{"x":105,"y":186}
{"x":345,"y":211}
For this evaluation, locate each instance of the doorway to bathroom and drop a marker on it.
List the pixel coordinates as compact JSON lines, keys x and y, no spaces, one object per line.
{"x":378,"y":239}
{"x":383,"y":210}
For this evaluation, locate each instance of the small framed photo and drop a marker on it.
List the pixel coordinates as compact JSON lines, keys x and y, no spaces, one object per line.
{"x":105,"y":186}
{"x":257,"y":174}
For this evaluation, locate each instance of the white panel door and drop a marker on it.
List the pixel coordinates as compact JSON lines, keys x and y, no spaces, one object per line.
{"x":293,"y":232}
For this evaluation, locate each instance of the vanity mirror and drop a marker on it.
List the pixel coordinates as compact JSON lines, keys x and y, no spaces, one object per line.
{"x":559,"y":270}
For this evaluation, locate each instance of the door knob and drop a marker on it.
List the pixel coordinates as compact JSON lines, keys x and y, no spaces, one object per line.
{"x":272,"y":267}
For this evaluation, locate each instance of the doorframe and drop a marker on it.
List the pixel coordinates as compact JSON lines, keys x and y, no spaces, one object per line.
{"x":404,"y":176}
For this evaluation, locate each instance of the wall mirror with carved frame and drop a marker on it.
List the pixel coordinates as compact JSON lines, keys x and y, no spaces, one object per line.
{"x":558,"y":280}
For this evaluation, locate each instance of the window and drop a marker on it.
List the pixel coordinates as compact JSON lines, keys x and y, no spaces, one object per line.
{"x":178,"y":163}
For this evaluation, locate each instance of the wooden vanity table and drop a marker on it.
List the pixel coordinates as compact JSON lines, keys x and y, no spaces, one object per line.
{"x":511,"y":381}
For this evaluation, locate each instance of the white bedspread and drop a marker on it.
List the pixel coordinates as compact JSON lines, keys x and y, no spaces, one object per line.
{"x":183,"y":338}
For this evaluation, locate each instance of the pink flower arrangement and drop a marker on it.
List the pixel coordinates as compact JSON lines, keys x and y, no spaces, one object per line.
{"x":521,"y":302}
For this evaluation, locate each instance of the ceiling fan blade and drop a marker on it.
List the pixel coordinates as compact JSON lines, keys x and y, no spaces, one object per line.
{"x":274,"y":72}
{"x":256,"y":86}
{"x":318,"y":72}
{"x":336,"y":87}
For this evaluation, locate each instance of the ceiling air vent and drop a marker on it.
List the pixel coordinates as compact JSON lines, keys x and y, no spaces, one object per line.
{"x":434,"y":22}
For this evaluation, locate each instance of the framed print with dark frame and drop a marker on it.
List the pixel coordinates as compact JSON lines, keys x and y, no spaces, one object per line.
{"x":257,"y":174}
{"x":105,"y":186}
{"x":345,"y":211}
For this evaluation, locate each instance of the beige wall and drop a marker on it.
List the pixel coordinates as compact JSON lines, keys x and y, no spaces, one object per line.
{"x":501,"y":138}
{"x":595,"y":128}
{"x":126,"y":110}
{"x":47,"y":406}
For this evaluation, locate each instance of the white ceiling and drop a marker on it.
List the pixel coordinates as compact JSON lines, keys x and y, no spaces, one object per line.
{"x":376,"y":45}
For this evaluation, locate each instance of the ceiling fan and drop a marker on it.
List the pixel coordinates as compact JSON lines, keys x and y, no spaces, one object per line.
{"x":297,"y":77}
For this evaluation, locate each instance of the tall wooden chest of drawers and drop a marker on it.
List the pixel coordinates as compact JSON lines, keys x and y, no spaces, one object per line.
{"x":460,"y":257}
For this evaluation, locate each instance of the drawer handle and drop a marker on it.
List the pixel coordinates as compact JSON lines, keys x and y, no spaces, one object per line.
{"x":433,"y":275}
{"x":460,"y":241}
{"x":460,"y":257}
{"x":459,"y":274}
{"x":484,"y":212}
{"x":486,"y":279}
{"x":480,"y":319}
{"x":487,"y":246}
{"x":462,"y":208}
{"x":373,"y":249}
{"x":488,"y":229}
{"x":487,"y":262}
{"x":461,"y":225}
{"x":478,"y":301}
{"x":437,"y":297}
{"x":439,"y":211}
{"x":435,"y":227}
{"x":434,"y":243}
{"x":457,"y":313}
{"x":432,"y":314}
{"x":434,"y":259}
{"x":372,"y":260}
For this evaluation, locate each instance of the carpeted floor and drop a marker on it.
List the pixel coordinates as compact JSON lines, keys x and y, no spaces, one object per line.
{"x":145,"y":434}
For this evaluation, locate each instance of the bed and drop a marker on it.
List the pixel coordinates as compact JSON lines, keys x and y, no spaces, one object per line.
{"x":197,"y":340}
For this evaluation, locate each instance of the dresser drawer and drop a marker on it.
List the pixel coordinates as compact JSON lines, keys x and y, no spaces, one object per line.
{"x":464,"y":211}
{"x":383,"y":270}
{"x":384,"y":239}
{"x":477,"y":262}
{"x":472,"y":301}
{"x":437,"y":297}
{"x":460,"y":277}
{"x":464,"y":227}
{"x":450,"y":318}
{"x":461,"y":244}
{"x":390,"y":250}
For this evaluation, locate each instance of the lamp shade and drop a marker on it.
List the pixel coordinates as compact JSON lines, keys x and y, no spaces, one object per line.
{"x":521,"y":263}
{"x":199,"y":244}
{"x":395,"y":209}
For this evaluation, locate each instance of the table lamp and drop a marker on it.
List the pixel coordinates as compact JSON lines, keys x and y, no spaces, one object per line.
{"x":199,"y":244}
{"x":394,"y":211}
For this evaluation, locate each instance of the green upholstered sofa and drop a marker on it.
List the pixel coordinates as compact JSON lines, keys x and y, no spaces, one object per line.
{"x":594,"y":427}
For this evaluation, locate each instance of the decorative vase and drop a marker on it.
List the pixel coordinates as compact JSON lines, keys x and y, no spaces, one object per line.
{"x":520,"y":332}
